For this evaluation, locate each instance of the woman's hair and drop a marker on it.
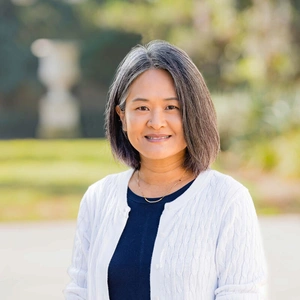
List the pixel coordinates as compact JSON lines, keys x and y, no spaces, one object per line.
{"x":198,"y":113}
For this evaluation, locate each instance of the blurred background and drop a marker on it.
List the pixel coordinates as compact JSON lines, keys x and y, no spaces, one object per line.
{"x":58,"y":58}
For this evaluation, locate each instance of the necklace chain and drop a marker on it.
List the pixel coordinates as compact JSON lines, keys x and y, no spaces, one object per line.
{"x":158,"y":200}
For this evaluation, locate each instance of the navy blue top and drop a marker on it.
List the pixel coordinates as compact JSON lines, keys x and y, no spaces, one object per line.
{"x":129,"y":268}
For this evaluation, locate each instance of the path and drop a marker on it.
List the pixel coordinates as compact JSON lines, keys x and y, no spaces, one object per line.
{"x":34,"y":258}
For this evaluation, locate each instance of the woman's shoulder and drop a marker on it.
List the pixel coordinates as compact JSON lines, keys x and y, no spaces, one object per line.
{"x":112,"y":186}
{"x":218,"y":177}
{"x":220,"y":192}
{"x":226,"y":185}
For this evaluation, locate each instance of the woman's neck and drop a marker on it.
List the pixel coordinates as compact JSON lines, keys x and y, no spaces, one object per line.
{"x":157,"y":178}
{"x":161,"y":174}
{"x":162,"y":171}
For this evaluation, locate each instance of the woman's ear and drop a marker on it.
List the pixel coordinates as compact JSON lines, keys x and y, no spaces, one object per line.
{"x":121,"y":114}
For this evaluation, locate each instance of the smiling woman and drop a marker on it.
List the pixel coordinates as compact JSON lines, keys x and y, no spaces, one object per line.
{"x":170,"y":227}
{"x":152,"y":118}
{"x":196,"y":108}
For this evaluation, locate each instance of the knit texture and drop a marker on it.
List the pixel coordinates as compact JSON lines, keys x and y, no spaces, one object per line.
{"x":129,"y":268}
{"x":208,"y":244}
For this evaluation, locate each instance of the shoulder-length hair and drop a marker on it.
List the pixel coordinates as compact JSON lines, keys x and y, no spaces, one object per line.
{"x":198,"y":113}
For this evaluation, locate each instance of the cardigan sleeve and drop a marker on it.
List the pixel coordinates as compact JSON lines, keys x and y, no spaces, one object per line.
{"x":77,"y":288}
{"x":240,"y":259}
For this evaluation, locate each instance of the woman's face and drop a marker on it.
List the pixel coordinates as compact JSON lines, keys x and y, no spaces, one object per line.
{"x":152,"y":117}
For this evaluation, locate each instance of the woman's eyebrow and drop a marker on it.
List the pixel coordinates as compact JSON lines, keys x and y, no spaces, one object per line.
{"x":146,"y":100}
{"x":172,"y":98}
{"x":139,"y":99}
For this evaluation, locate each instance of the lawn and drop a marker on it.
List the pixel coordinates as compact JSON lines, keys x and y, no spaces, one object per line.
{"x":43,"y":179}
{"x":46,"y":179}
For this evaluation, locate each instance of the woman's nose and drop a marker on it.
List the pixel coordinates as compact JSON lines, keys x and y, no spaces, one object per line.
{"x":157,"y":119}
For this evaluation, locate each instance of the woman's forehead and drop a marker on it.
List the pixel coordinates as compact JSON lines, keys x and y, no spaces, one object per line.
{"x":153,"y":83}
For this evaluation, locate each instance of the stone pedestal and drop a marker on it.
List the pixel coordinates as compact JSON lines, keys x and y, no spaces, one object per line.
{"x":59,"y":113}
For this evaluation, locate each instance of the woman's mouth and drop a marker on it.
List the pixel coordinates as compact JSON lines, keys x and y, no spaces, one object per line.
{"x":157,"y":138}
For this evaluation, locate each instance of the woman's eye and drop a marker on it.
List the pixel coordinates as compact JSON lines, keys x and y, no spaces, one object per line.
{"x":171,"y":107}
{"x":142,"y":108}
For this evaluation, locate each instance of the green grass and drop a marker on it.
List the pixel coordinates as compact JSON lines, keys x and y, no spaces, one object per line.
{"x":46,"y":179}
{"x":43,"y":179}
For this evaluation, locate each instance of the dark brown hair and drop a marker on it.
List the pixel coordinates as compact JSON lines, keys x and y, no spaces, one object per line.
{"x":198,"y":113}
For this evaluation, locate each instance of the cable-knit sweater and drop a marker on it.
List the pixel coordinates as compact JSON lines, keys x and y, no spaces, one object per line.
{"x":208,"y":244}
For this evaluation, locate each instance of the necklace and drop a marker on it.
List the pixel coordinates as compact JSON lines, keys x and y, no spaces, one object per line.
{"x":158,"y":200}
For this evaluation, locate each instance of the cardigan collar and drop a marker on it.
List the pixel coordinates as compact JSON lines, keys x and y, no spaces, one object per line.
{"x":196,"y":187}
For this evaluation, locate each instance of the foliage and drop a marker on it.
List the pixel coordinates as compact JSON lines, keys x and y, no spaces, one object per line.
{"x":101,"y":53}
{"x":15,"y":57}
{"x":20,"y":26}
{"x":280,"y":154}
{"x":248,"y":117}
{"x":235,"y":43}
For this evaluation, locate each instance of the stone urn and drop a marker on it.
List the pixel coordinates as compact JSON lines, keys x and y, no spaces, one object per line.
{"x":59,"y":112}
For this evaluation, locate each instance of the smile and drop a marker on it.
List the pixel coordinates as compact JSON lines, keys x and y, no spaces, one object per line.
{"x":157,"y":138}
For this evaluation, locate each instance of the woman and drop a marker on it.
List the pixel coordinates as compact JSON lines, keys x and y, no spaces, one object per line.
{"x":170,"y":227}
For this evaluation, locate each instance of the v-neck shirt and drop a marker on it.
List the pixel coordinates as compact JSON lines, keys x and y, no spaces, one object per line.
{"x":129,"y":268}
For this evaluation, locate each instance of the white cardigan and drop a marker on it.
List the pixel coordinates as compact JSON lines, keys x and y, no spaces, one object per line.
{"x":208,"y":244}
